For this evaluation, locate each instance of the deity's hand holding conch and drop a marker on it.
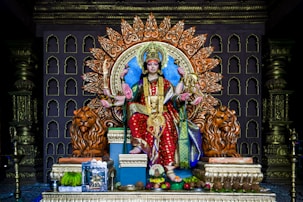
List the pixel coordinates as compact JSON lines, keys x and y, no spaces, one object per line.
{"x":190,"y":82}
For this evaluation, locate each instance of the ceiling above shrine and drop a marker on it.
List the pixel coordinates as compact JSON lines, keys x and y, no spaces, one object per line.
{"x":23,"y":16}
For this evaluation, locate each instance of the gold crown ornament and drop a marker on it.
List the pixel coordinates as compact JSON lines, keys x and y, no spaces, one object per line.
{"x":152,"y":51}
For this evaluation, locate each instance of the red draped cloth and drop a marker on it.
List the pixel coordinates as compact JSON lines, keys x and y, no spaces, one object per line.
{"x":145,"y":140}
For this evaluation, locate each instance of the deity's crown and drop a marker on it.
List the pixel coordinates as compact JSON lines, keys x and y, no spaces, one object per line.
{"x":152,"y":53}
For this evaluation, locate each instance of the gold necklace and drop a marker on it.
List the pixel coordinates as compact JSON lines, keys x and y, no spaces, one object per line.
{"x":155,"y":121}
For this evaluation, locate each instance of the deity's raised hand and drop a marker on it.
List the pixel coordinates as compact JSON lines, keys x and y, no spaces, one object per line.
{"x":106,"y":92}
{"x":197,"y":100}
{"x":127,"y":91}
{"x":184,"y":96}
{"x":124,"y":72}
{"x":181,"y":71}
{"x":120,"y":99}
{"x":105,"y":104}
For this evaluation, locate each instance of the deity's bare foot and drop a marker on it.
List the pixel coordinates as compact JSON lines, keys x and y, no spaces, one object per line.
{"x":173,"y":177}
{"x":171,"y":174}
{"x":135,"y":150}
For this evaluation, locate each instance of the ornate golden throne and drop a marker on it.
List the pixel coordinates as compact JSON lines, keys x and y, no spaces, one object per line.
{"x":218,"y":124}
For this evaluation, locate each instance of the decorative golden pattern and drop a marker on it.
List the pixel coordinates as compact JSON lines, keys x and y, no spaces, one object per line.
{"x":186,"y":47}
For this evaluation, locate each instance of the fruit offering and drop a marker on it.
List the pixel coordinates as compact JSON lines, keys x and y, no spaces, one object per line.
{"x":71,"y":179}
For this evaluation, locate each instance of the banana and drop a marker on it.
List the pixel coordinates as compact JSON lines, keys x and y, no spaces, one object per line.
{"x":71,"y":179}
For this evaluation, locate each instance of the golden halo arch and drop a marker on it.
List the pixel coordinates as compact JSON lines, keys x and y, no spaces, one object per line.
{"x":134,"y":51}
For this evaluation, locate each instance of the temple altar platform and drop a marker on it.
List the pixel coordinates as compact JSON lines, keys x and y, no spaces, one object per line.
{"x":33,"y":192}
{"x":146,"y":196}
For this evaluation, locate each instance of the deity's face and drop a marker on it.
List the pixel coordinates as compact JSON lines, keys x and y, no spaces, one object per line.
{"x":152,"y":66}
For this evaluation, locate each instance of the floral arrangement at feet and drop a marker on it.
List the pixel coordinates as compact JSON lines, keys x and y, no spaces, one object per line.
{"x":157,"y":180}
